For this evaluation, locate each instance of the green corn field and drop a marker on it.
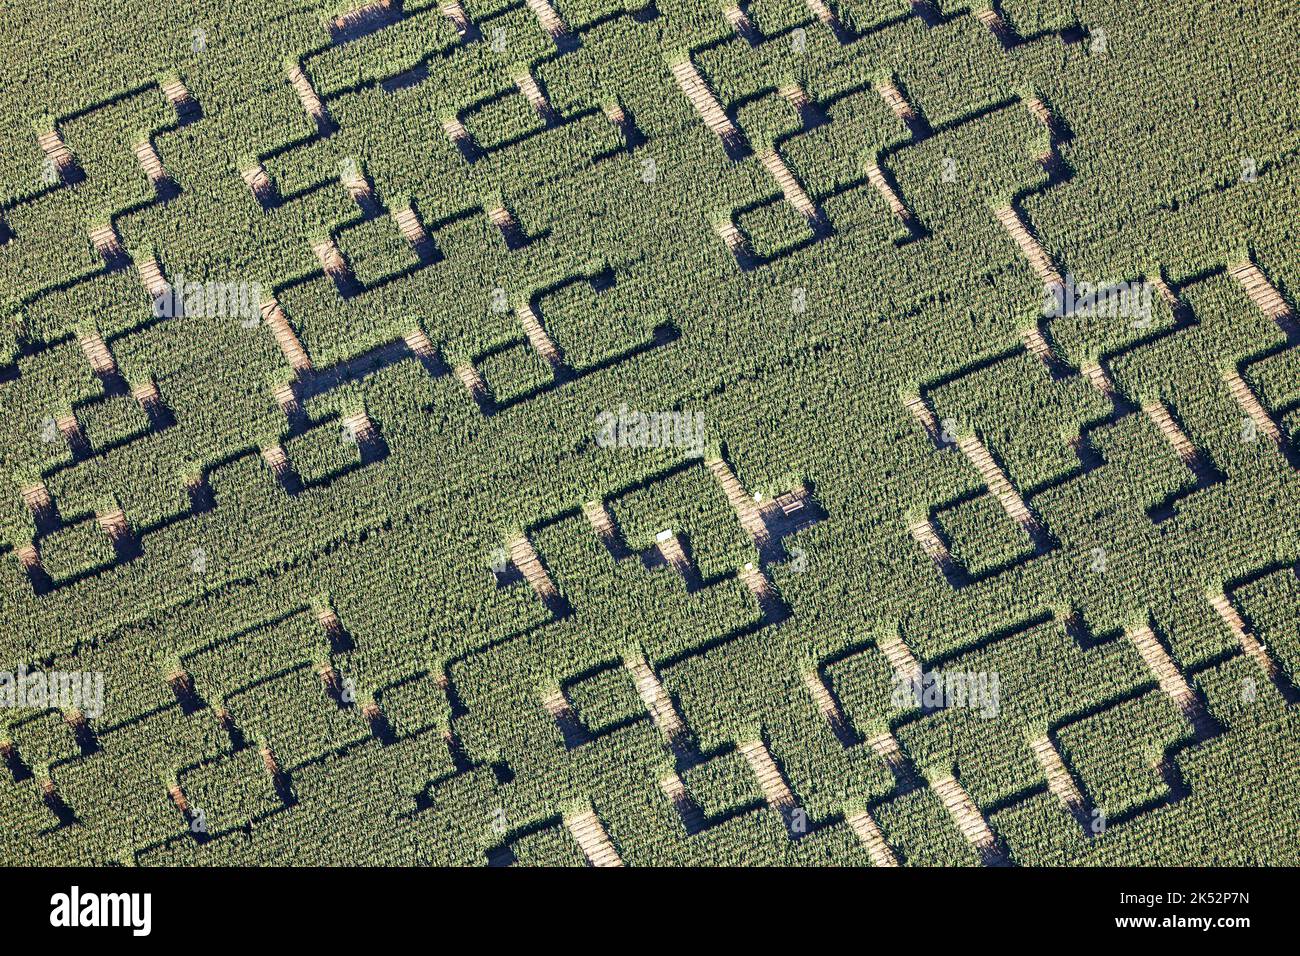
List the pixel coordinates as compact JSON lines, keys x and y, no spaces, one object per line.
{"x":650,"y":433}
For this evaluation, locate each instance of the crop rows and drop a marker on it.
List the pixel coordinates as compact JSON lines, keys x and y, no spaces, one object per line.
{"x":366,"y":584}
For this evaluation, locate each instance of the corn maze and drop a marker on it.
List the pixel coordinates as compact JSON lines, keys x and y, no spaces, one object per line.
{"x":651,"y":432}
